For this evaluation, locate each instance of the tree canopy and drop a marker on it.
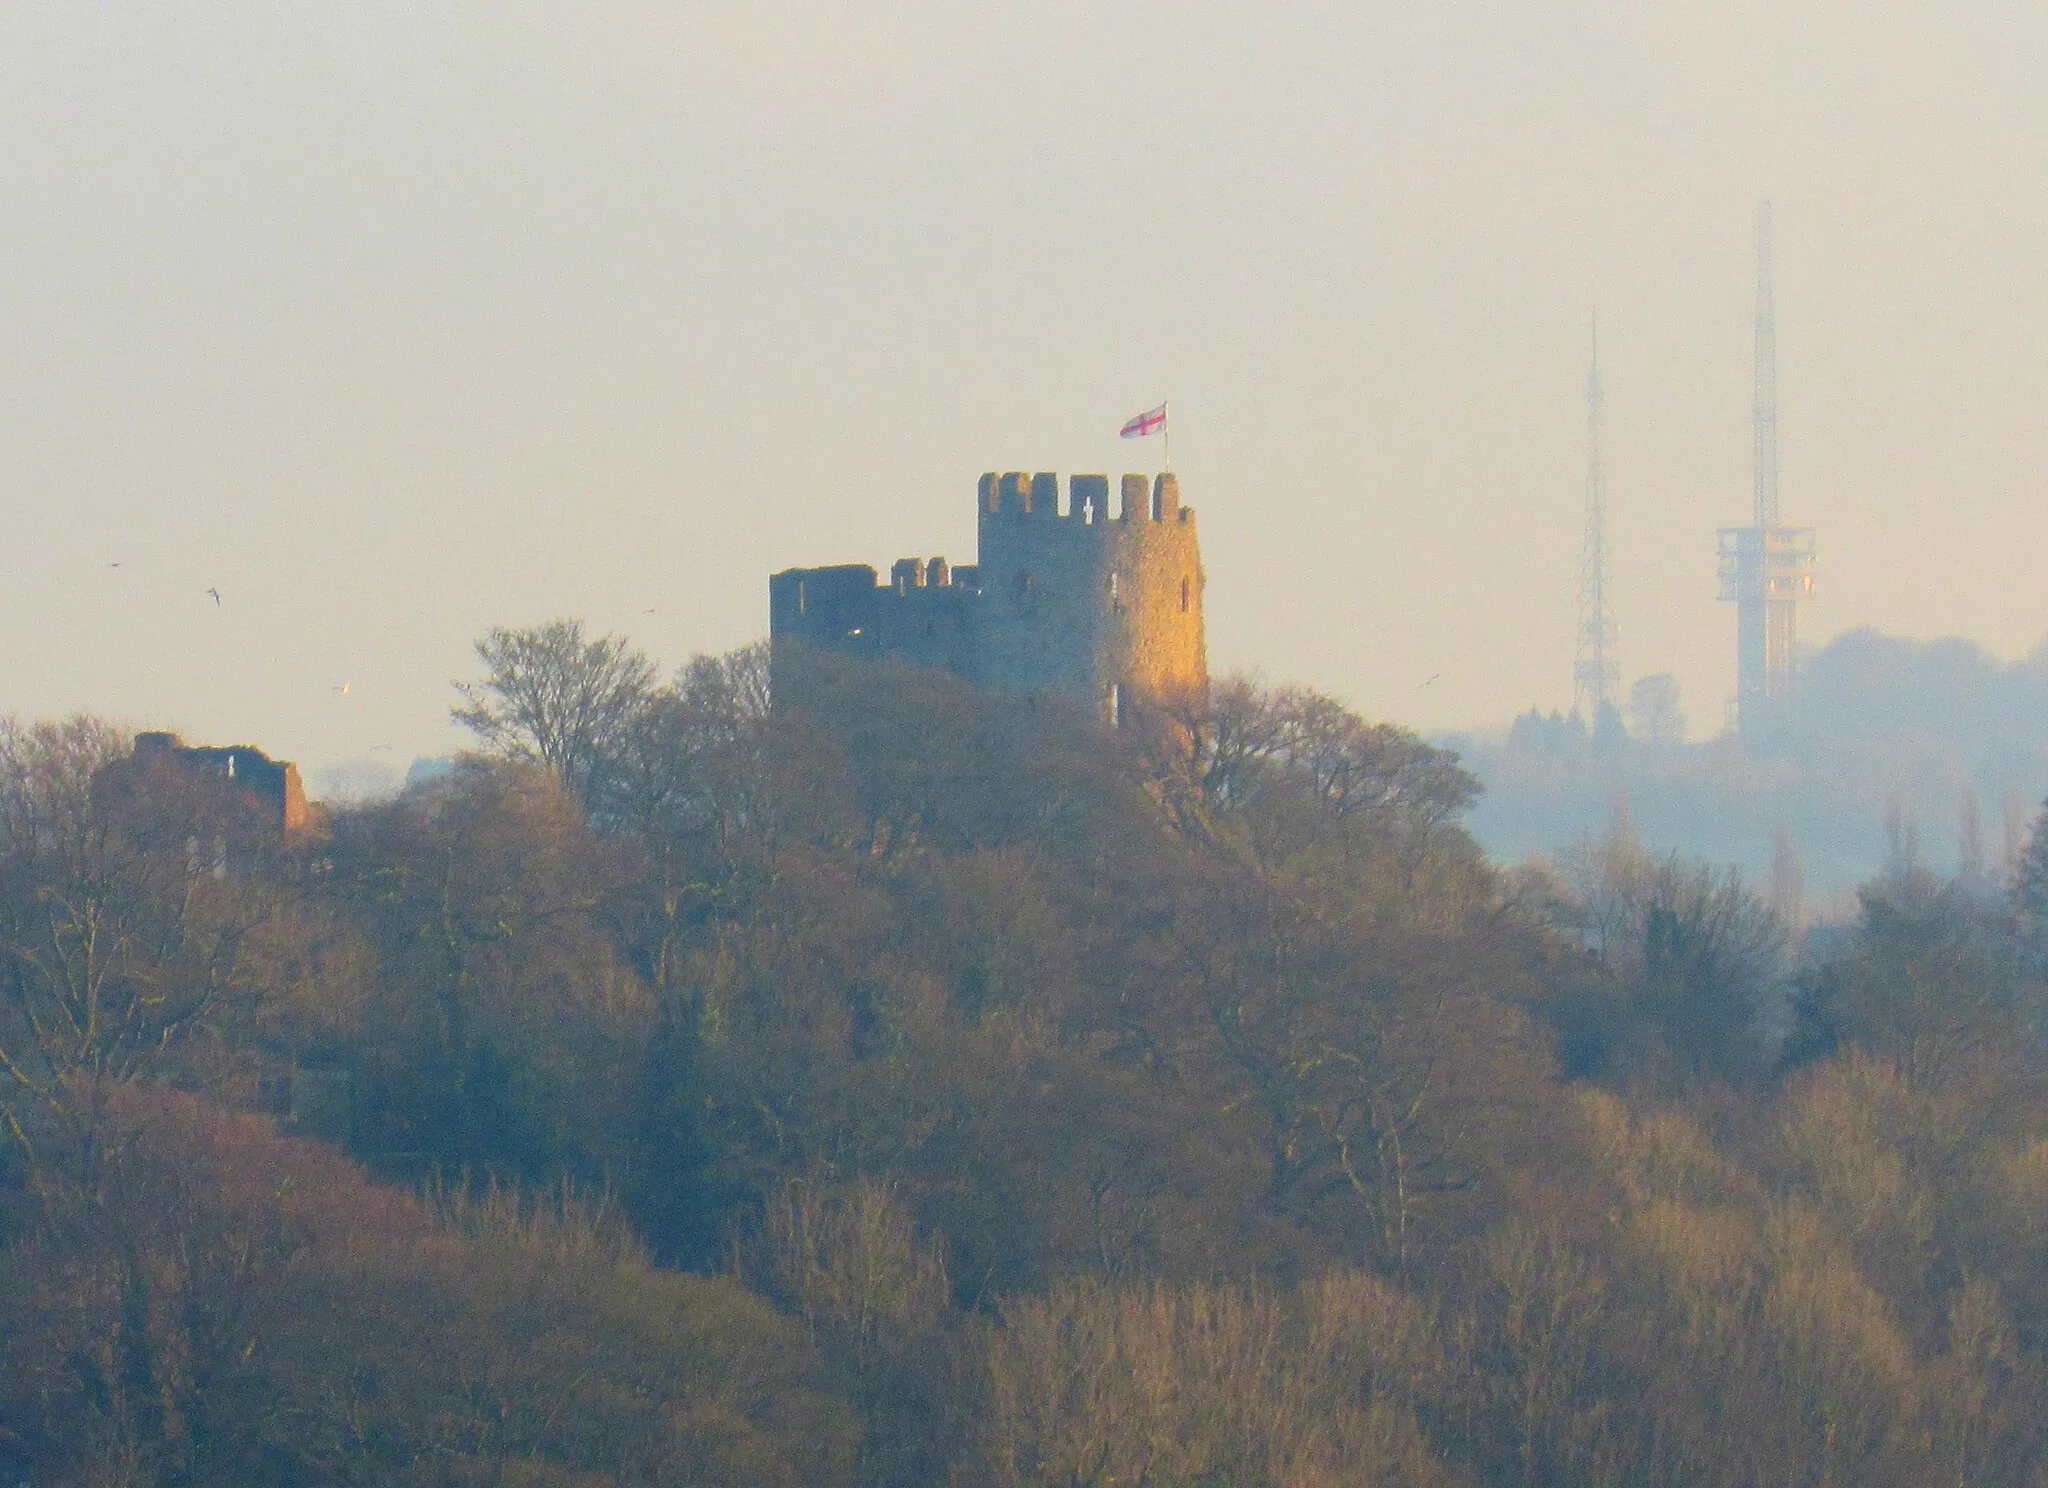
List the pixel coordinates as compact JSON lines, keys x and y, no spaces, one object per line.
{"x":887,"y":1083}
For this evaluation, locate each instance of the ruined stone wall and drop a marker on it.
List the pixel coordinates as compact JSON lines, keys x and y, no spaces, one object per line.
{"x":920,"y":617}
{"x":273,"y":787}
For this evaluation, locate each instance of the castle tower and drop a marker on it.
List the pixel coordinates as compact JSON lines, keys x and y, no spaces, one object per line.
{"x":1103,"y":607}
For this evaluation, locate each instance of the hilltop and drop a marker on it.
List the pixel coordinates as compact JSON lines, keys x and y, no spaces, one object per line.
{"x":924,"y":1086}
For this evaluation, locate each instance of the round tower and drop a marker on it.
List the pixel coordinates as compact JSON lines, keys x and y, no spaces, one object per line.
{"x":1107,"y":608}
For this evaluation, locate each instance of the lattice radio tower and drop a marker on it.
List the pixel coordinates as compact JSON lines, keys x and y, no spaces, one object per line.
{"x":1766,"y":569}
{"x":1596,"y":675}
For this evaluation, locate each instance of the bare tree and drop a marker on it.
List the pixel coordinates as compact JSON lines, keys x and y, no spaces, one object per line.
{"x":1242,"y":746}
{"x":2029,"y":890}
{"x":1654,"y":713}
{"x":1690,"y":955}
{"x":1969,"y":841}
{"x":553,"y":694}
{"x":687,"y":782}
{"x":122,"y":937}
{"x":1373,"y":770}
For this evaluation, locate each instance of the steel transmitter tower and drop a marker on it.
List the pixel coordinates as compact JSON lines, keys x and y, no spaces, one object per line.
{"x":1766,"y":568}
{"x":1596,"y":675}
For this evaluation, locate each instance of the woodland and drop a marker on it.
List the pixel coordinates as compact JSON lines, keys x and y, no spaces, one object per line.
{"x":891,"y":1084}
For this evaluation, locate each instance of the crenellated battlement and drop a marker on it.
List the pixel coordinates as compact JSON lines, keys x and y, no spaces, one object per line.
{"x":1066,"y":597}
{"x":1027,"y":496}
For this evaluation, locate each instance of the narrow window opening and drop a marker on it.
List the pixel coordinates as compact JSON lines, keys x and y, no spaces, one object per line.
{"x":803,"y":597}
{"x":1116,"y":705}
{"x":1184,"y":596}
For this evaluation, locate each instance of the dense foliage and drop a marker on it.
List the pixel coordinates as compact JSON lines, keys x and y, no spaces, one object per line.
{"x":903,"y":1085}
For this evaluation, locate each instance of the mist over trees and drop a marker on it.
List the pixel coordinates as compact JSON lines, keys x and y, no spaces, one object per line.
{"x":1935,"y":744}
{"x":884,"y":1083}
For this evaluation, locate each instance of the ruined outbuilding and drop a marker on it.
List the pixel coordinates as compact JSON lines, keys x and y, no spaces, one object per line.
{"x":1068,"y":599}
{"x":265,"y":792}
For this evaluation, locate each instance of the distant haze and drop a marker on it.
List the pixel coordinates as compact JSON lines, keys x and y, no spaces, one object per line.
{"x":393,"y":322}
{"x":1903,"y":754}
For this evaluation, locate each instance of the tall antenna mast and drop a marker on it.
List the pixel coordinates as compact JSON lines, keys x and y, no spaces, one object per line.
{"x":1596,"y":675}
{"x":1766,"y":568}
{"x":1766,"y":377}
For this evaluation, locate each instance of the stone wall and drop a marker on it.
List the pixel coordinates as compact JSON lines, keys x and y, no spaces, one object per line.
{"x":270,"y":788}
{"x":921,"y":617}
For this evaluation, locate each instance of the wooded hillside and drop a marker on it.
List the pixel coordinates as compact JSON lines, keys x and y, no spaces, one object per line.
{"x":904,"y":1085}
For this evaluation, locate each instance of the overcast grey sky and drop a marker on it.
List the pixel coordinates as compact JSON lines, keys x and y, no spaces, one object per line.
{"x":394,"y":321}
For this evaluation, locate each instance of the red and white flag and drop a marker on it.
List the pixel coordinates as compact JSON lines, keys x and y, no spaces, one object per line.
{"x":1146,"y":423}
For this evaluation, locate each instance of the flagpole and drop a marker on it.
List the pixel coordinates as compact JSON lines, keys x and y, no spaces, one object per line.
{"x":1166,"y":437}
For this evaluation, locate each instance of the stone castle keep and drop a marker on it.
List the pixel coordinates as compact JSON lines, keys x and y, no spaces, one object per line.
{"x":1077,"y":601}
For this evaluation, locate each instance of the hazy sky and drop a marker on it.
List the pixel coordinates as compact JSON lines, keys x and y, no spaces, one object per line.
{"x":395,"y":321}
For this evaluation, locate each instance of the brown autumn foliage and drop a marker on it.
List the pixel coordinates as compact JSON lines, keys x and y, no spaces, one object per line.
{"x":222,"y":1305}
{"x":890,"y":1084}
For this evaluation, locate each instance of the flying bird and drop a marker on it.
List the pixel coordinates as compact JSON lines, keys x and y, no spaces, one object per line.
{"x":1432,"y":677}
{"x":115,"y":564}
{"x":216,"y":597}
{"x":343,"y":689}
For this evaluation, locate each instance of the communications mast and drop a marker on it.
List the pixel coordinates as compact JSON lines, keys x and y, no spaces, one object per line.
{"x":1596,"y":675}
{"x":1766,"y":568}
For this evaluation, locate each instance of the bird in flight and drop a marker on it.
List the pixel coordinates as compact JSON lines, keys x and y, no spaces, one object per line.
{"x":115,"y":564}
{"x":343,"y":689}
{"x":1432,"y":677}
{"x":216,"y":597}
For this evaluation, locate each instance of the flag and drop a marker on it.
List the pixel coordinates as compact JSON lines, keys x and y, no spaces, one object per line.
{"x":1146,"y":423}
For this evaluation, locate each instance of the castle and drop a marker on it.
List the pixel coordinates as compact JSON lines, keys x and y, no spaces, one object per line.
{"x":1076,"y":601}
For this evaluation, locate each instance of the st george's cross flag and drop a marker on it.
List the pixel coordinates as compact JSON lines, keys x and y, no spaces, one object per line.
{"x":1146,"y":423}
